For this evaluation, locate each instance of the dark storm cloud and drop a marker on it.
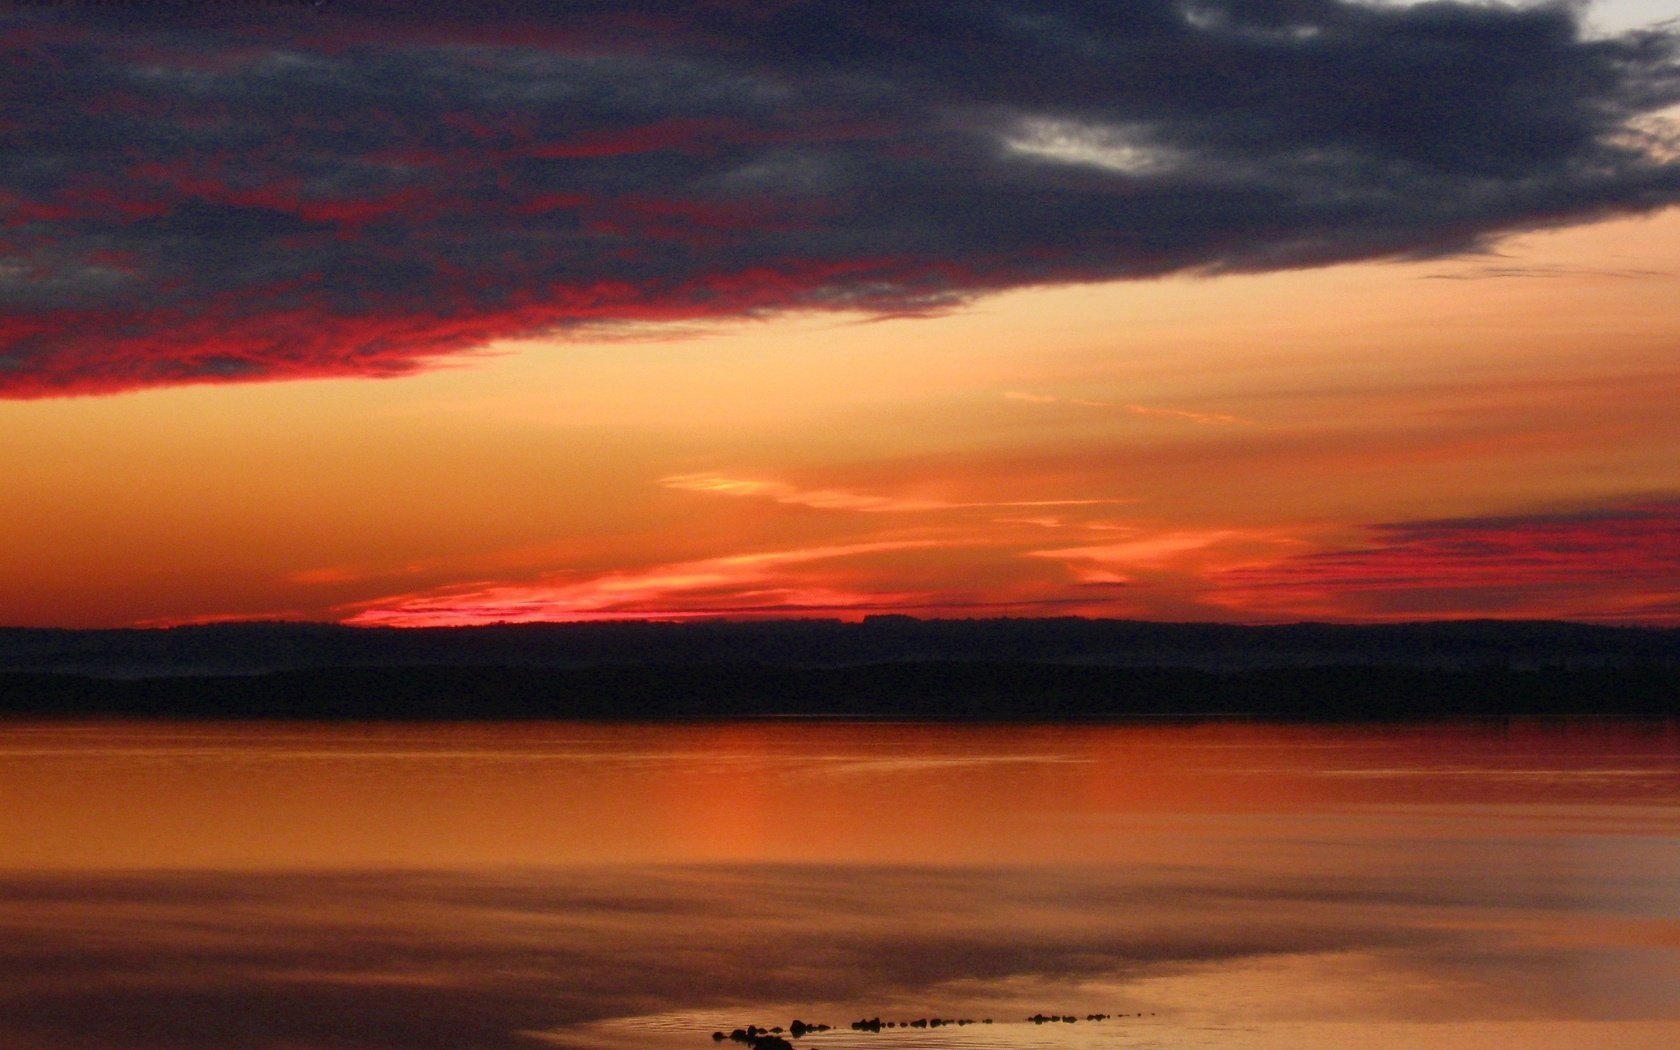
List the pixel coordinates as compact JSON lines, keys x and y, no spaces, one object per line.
{"x":236,"y":192}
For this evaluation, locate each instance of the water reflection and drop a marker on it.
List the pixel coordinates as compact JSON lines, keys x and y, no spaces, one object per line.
{"x":517,"y":886}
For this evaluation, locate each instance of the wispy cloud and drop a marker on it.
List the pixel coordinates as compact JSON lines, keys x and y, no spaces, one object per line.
{"x":842,"y":499}
{"x":756,"y":583}
{"x":1492,"y":272}
{"x":781,"y":492}
{"x":1189,"y":553}
{"x":1210,"y":418}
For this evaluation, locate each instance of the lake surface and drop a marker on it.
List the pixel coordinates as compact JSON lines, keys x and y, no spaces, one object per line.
{"x":268,"y":887}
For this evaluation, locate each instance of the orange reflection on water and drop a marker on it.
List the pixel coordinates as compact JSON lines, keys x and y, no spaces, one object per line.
{"x":634,"y":887}
{"x":123,"y":796}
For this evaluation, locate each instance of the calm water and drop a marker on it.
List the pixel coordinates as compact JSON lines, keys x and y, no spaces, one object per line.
{"x":502,"y":886}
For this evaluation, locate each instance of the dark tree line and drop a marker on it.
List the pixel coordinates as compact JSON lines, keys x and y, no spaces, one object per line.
{"x":923,"y":690}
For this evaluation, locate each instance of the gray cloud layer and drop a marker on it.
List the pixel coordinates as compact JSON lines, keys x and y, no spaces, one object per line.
{"x":235,"y":192}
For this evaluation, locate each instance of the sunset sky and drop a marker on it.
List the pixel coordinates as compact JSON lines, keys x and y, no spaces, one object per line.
{"x":416,"y":314}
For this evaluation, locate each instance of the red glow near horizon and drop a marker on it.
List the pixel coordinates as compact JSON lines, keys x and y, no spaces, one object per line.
{"x":1620,"y":564}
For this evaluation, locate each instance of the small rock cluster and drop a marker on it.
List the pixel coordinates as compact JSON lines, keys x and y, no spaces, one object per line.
{"x":756,"y":1038}
{"x":1070,"y":1018}
{"x":875,"y":1024}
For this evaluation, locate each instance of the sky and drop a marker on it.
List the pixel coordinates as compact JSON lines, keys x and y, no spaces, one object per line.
{"x":1192,"y":310}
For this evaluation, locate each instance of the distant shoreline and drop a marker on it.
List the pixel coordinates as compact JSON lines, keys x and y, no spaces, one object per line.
{"x":886,"y":667}
{"x":927,"y":691}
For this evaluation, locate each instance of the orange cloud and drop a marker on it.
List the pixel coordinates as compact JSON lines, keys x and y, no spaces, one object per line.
{"x":841,"y":499}
{"x":1191,"y":553}
{"x":741,"y":584}
{"x":781,"y":492}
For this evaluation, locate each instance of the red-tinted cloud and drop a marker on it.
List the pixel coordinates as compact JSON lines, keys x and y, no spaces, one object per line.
{"x":767,"y":583}
{"x":221,"y":192}
{"x":1620,"y":563}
